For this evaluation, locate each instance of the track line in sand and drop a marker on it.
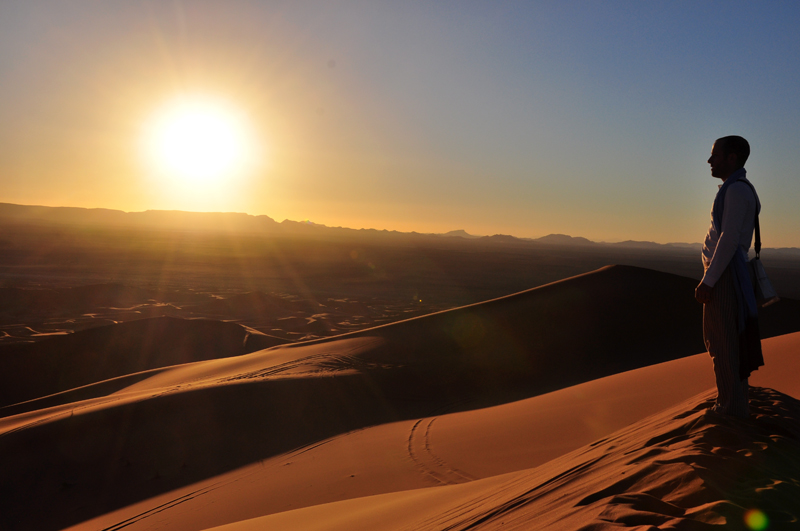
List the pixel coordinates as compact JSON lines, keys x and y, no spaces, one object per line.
{"x":419,"y":449}
{"x":163,"y":507}
{"x":232,"y":478}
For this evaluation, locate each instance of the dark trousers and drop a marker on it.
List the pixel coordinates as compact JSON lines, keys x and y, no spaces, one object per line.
{"x":720,"y":319}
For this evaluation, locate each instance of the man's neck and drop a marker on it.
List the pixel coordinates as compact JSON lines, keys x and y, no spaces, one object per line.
{"x":731,"y":173}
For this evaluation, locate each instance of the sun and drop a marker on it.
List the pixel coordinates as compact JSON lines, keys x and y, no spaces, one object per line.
{"x":197,"y":141}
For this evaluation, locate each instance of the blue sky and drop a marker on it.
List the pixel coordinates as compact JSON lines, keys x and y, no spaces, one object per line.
{"x":593,"y":119}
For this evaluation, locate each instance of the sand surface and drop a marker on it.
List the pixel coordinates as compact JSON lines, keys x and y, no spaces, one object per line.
{"x":370,"y":478}
{"x":452,"y":420}
{"x":683,"y":468}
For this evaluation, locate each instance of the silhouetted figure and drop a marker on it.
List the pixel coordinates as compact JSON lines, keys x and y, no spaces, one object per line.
{"x":726,"y":291}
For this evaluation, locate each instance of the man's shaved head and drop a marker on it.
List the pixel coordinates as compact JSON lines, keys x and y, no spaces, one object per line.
{"x":734,"y":145}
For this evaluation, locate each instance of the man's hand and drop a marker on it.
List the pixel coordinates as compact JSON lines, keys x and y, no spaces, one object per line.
{"x":703,"y":293}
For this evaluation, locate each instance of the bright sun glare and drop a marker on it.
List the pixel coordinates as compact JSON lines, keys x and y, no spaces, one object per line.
{"x":197,"y":142}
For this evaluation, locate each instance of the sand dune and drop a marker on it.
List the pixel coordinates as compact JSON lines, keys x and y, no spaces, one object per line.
{"x":589,"y":326}
{"x":361,"y":414}
{"x":614,"y":319}
{"x":438,"y":450}
{"x":29,"y":371}
{"x":681,"y":469}
{"x":419,"y":453}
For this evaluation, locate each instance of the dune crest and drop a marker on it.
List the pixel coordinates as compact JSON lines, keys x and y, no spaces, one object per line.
{"x":677,"y":470}
{"x":34,"y":370}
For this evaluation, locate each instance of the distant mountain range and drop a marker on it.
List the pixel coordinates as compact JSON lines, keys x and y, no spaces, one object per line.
{"x":241,"y":222}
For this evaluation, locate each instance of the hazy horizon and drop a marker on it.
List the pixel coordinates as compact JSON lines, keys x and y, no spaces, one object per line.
{"x":549,"y":118}
{"x":322,"y":223}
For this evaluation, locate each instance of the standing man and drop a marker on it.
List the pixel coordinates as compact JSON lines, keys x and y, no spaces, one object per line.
{"x":726,"y":290}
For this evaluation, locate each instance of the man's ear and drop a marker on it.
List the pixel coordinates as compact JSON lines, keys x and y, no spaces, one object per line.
{"x":734,"y":161}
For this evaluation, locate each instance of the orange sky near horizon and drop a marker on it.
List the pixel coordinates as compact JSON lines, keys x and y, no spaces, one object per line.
{"x":522,"y":120}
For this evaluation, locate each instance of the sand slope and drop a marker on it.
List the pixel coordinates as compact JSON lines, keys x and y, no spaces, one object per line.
{"x":680,"y":469}
{"x":443,"y":449}
{"x":535,"y":341}
{"x":174,"y":428}
{"x":60,"y":363}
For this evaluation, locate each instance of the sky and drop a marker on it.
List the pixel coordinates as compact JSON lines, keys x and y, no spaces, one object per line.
{"x":592,"y":119}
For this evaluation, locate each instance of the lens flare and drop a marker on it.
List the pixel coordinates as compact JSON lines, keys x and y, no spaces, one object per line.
{"x":756,"y":520}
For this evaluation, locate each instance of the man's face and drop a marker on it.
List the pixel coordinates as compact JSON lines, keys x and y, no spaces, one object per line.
{"x":721,"y":166}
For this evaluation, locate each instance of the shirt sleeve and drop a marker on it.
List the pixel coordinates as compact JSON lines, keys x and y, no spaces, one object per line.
{"x":737,"y":200}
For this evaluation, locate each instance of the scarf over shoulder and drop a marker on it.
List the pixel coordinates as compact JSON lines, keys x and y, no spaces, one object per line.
{"x":750,"y":357}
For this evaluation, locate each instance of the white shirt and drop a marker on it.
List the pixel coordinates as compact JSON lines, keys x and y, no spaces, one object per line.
{"x":738,"y":224}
